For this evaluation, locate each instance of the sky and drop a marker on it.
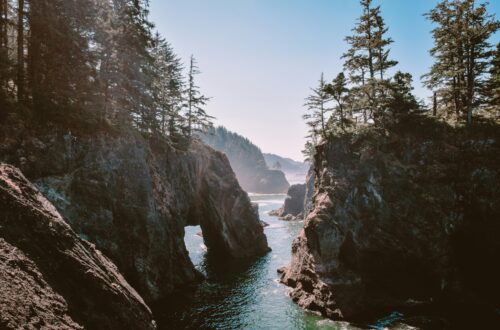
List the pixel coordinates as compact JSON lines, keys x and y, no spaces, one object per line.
{"x":259,"y":58}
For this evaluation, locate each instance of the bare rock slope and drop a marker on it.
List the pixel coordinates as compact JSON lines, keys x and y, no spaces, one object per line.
{"x":49,"y":277}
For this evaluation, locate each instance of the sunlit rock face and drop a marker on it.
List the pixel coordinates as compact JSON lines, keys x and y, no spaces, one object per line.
{"x":402,"y":216}
{"x":49,"y":277}
{"x":132,"y":198}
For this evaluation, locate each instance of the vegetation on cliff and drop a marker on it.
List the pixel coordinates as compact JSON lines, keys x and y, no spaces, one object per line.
{"x":463,"y":78}
{"x":95,"y":63}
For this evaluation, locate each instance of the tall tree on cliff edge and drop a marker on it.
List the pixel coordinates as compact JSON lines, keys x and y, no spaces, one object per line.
{"x":59,"y":60}
{"x":338,"y":91}
{"x":492,"y":89}
{"x":462,"y":53}
{"x":318,"y":106}
{"x":5,"y":63}
{"x":367,"y":60}
{"x":197,"y":117}
{"x":168,"y":87}
{"x":131,"y":81}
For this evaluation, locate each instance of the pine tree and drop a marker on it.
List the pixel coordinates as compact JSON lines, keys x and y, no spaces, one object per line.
{"x":462,"y":52}
{"x":338,"y":91}
{"x":401,"y":99}
{"x":5,"y":62}
{"x":383,"y":62}
{"x":60,"y":61}
{"x":168,"y":86}
{"x":197,"y":118}
{"x":493,"y":84}
{"x":368,"y":55}
{"x":20,"y":50}
{"x":318,"y":106}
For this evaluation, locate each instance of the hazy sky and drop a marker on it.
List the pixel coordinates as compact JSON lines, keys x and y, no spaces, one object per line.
{"x":259,"y":58}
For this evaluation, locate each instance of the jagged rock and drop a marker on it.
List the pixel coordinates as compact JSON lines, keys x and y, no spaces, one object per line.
{"x":402,"y":215}
{"x":308,"y":198}
{"x":133,"y":197}
{"x":294,"y":203}
{"x":49,"y":278}
{"x":293,"y":207}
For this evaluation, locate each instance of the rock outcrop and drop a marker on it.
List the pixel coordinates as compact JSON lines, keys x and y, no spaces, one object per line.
{"x":308,"y":198}
{"x":133,"y":197}
{"x":403,"y":216}
{"x":299,"y":201}
{"x":293,"y":208}
{"x":49,"y":277}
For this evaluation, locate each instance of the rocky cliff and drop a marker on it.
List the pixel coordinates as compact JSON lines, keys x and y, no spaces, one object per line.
{"x":402,"y":217}
{"x":299,"y":200}
{"x":49,"y":277}
{"x":293,"y":208}
{"x":133,"y":197}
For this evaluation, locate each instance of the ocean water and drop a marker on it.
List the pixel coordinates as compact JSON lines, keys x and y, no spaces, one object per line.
{"x":249,"y":296}
{"x":242,"y":296}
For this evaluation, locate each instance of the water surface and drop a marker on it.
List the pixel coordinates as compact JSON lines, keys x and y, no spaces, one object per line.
{"x":243,"y":296}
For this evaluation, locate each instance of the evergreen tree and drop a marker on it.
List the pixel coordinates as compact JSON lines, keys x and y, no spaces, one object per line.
{"x":367,"y":55}
{"x":197,"y":117}
{"x":338,"y":91}
{"x":318,"y":106}
{"x":401,"y":99}
{"x":167,"y":86}
{"x":60,"y":62}
{"x":461,"y":51}
{"x":493,"y":85}
{"x":5,"y":62}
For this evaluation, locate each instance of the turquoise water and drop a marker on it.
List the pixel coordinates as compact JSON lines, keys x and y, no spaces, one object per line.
{"x":249,"y":296}
{"x":243,"y":296}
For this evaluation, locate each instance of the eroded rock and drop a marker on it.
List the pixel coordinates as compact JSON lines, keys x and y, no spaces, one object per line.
{"x":49,"y":278}
{"x":402,"y":215}
{"x":133,"y":197}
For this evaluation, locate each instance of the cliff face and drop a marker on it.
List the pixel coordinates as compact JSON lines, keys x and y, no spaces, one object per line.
{"x":132,"y":199}
{"x":248,"y":162}
{"x":49,"y":278}
{"x":403,"y":216}
{"x":299,"y":201}
{"x":293,"y":208}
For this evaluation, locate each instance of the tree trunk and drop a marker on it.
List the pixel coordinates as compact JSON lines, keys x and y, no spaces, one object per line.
{"x":434,"y":105}
{"x":20,"y":51}
{"x":2,"y":24}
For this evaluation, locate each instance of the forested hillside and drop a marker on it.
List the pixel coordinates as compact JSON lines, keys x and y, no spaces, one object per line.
{"x":247,"y":162}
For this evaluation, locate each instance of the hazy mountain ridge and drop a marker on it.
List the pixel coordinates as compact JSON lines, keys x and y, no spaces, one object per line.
{"x":295,"y":171}
{"x":247,"y":161}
